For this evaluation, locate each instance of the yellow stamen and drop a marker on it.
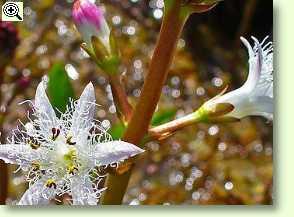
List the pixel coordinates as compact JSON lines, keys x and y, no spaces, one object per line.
{"x":71,"y":155}
{"x":34,"y":144}
{"x":36,"y":166}
{"x":51,"y":183}
{"x":72,"y":169}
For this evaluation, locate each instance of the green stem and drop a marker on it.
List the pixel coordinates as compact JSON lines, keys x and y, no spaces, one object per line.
{"x":171,"y":29}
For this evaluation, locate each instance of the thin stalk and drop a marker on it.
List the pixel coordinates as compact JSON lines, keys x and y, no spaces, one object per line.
{"x":165,"y":130}
{"x":120,"y":98}
{"x":171,"y":29}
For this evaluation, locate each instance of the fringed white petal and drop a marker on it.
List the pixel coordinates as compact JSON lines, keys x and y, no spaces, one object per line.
{"x":265,"y":82}
{"x":255,"y":64}
{"x":34,"y":195}
{"x":46,"y":116}
{"x":115,"y":151}
{"x":82,"y":191}
{"x":84,"y":112}
{"x":260,"y":78}
{"x":17,"y":154}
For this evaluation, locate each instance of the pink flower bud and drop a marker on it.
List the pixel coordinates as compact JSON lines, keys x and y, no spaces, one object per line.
{"x":90,"y":21}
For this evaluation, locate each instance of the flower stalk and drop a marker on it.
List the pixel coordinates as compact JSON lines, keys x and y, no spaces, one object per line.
{"x":120,"y":99}
{"x":199,"y":116}
{"x":171,"y":29}
{"x":165,"y":130}
{"x":101,"y":45}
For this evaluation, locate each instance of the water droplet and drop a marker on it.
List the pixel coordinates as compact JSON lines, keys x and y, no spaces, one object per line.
{"x":106,"y":124}
{"x":200,"y":91}
{"x":213,"y":130}
{"x":160,"y":3}
{"x":196,"y":195}
{"x":131,"y":30}
{"x":176,"y":93}
{"x":158,"y":13}
{"x":229,"y":186}
{"x":116,"y":20}
{"x":112,"y":109}
{"x":135,"y":202}
{"x":218,"y":82}
{"x":71,"y":71}
{"x":222,"y":146}
{"x":185,"y":159}
{"x":176,"y":177}
{"x":138,"y":64}
{"x":175,"y":80}
{"x":142,"y":197}
{"x":258,"y":147}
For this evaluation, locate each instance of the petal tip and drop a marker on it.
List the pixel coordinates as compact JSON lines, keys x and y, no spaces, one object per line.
{"x":89,"y":90}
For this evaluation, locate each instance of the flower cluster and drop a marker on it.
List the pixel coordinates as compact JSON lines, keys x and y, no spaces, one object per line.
{"x":63,"y":155}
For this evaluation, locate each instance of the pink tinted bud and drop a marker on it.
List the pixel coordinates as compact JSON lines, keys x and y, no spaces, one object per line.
{"x":90,"y":21}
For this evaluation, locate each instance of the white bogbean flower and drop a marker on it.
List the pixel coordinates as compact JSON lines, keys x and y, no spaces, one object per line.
{"x":62,"y":155}
{"x":255,"y":97}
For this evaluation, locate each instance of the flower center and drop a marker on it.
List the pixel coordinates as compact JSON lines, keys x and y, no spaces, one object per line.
{"x":61,"y":159}
{"x":64,"y":155}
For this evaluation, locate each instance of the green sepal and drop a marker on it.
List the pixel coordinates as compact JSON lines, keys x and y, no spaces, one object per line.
{"x":114,"y":50}
{"x":110,"y":65}
{"x":215,"y":114}
{"x":220,"y":109}
{"x":100,"y":50}
{"x":88,"y":51}
{"x":108,"y":61}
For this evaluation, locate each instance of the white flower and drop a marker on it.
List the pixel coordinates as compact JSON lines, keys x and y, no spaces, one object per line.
{"x":255,"y":97}
{"x":63,"y":155}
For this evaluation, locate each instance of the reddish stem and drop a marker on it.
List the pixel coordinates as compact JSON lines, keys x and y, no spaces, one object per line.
{"x":167,"y":129}
{"x":164,"y":53}
{"x":120,"y":98}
